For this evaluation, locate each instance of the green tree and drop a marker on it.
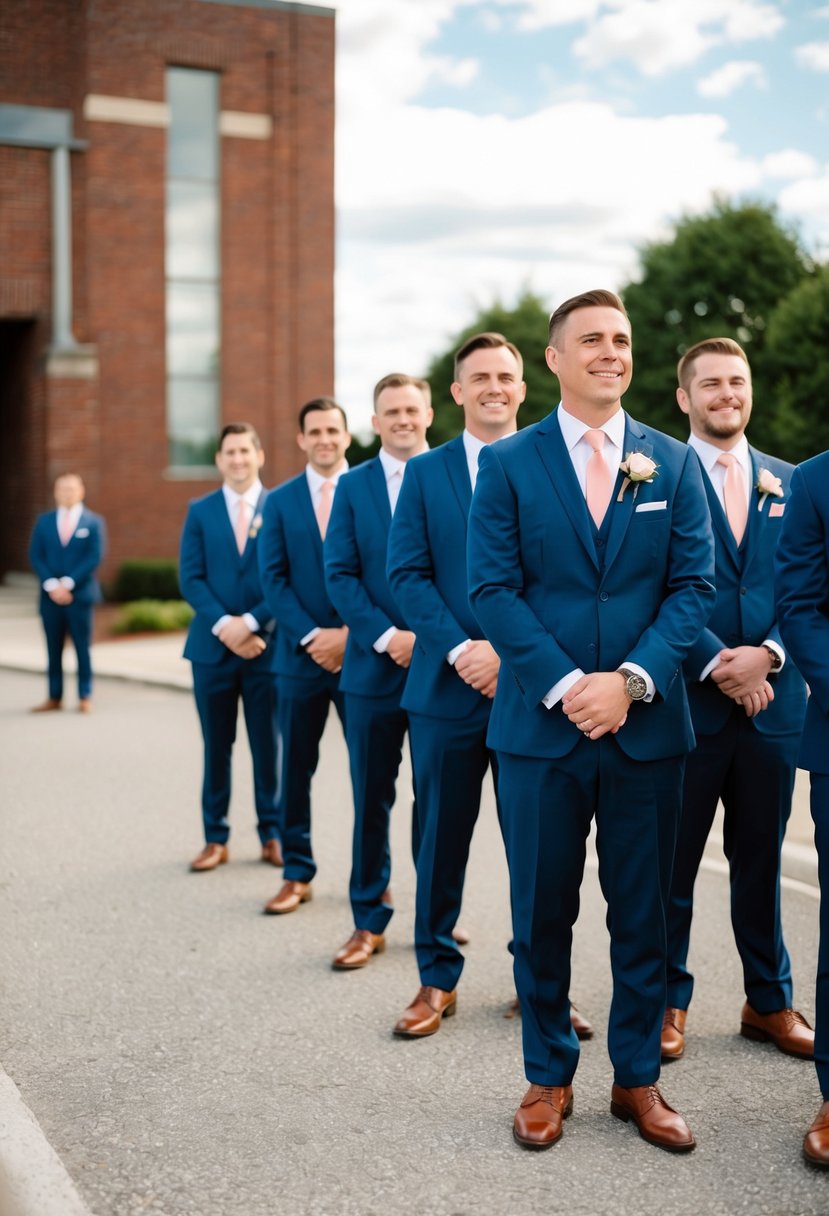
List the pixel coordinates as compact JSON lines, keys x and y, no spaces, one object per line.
{"x":721,"y":275}
{"x":797,"y":340}
{"x":526,"y":325}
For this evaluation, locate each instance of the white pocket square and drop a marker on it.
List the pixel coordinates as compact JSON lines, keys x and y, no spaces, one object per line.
{"x":652,"y":506}
{"x":82,"y":532}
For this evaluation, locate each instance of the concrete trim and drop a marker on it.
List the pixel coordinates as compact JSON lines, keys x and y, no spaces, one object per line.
{"x":99,"y":107}
{"x":240,"y":125}
{"x":33,"y":1179}
{"x":73,"y":363}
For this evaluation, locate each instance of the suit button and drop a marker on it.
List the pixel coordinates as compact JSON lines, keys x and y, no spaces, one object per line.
{"x":743,"y":590}
{"x":603,"y":596}
{"x":591,"y":646}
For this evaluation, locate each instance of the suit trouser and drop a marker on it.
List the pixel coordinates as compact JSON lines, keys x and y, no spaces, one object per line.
{"x":217,"y":689}
{"x":820,"y":815}
{"x":301,"y":717}
{"x":547,"y":806}
{"x":753,"y":773}
{"x":375,"y":729}
{"x":76,"y":620}
{"x":450,"y":759}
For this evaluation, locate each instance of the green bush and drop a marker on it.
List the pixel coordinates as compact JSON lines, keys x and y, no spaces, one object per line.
{"x":153,"y":616}
{"x":146,"y":578}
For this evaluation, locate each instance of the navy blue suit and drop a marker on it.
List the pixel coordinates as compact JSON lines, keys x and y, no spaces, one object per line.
{"x":555,"y":594}
{"x":78,"y":560}
{"x":216,"y":580}
{"x":448,"y":718}
{"x":293,"y":583}
{"x":372,"y":683}
{"x":802,"y":587}
{"x":749,"y":763}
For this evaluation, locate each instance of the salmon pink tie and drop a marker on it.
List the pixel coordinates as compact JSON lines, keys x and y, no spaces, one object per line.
{"x":324,"y":506}
{"x":599,"y":480}
{"x":735,"y":494}
{"x":242,"y":525}
{"x":67,"y":529}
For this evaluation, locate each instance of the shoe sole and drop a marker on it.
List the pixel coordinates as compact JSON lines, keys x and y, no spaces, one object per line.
{"x":534,"y":1145}
{"x":335,"y":966}
{"x":448,"y":1012}
{"x":214,"y":865}
{"x":303,"y":899}
{"x":815,"y":1162}
{"x":761,"y":1036}
{"x":622,"y":1112}
{"x":667,"y":1056}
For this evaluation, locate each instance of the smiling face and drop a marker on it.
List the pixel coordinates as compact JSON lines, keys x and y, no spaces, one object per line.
{"x":401,"y":416}
{"x":593,"y":360}
{"x":239,"y":461}
{"x":324,"y":440}
{"x":718,"y":398}
{"x":490,"y":389}
{"x":68,"y":490}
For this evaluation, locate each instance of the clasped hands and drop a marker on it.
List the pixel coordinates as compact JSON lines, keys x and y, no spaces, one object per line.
{"x":741,"y":674}
{"x":478,"y":666}
{"x":327,"y":648}
{"x":597,"y":703}
{"x":238,"y":638}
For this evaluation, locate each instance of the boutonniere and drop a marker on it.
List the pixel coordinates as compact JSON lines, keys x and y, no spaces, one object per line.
{"x":767,"y":484}
{"x":255,"y":525}
{"x":637,"y":467}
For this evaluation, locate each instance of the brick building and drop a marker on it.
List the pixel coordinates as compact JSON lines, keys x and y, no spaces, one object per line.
{"x":166,"y":250}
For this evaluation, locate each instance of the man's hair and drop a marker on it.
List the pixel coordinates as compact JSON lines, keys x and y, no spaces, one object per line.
{"x":68,"y":473}
{"x":487,"y":341}
{"x":400,"y":380}
{"x":320,"y":403}
{"x":708,"y":346}
{"x":588,"y":299}
{"x":239,"y":428}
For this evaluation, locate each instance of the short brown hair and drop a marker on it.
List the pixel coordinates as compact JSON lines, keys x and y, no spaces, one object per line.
{"x":708,"y":346}
{"x":588,"y":299}
{"x":485,"y":341}
{"x":239,"y":428}
{"x":400,"y":380}
{"x":320,"y":403}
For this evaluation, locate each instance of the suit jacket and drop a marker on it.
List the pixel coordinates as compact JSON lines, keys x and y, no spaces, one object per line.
{"x":355,"y":576}
{"x":744,"y":614}
{"x":550,"y":604}
{"x":293,"y":577}
{"x":216,"y":580}
{"x":78,"y":560}
{"x":427,"y":573}
{"x":802,"y":588}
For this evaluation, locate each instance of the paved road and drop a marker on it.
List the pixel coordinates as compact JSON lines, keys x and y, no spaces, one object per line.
{"x":185,"y":1054}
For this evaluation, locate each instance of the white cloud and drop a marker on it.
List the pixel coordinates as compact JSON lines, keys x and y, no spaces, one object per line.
{"x":790,"y":163}
{"x":814,"y":55}
{"x":730,"y":77}
{"x":809,"y":199}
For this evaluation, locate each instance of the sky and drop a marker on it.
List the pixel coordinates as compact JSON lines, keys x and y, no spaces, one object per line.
{"x":487,"y":147}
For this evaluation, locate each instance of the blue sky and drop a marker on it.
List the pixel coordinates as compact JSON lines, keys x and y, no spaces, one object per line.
{"x":485,"y":146}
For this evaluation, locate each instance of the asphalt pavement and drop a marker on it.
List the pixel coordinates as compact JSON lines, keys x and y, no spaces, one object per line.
{"x":169,"y":1049}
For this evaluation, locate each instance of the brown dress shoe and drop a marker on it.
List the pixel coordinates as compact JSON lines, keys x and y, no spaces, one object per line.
{"x":358,"y":950}
{"x":580,"y":1024}
{"x":47,"y":706}
{"x":211,"y":856}
{"x":787,"y":1029}
{"x":816,"y":1144}
{"x":538,"y":1120}
{"x":673,"y":1034}
{"x":289,"y":897}
{"x":424,"y":1014}
{"x":85,"y":706}
{"x":460,"y":936}
{"x":658,"y":1122}
{"x":272,"y":853}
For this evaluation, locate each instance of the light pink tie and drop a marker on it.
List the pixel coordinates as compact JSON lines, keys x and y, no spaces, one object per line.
{"x":66,"y":530}
{"x":242,"y":525}
{"x":735,"y":494}
{"x":598,"y":480}
{"x":324,"y":506}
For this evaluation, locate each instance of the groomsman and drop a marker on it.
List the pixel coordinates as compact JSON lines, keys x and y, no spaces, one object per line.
{"x":378,"y":652}
{"x":231,"y":641}
{"x":591,"y":572}
{"x":311,"y":636}
{"x":748,"y":701}
{"x":802,"y":584}
{"x":66,"y":549}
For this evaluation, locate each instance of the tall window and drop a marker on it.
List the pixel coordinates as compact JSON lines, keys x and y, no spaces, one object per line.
{"x":193,"y":267}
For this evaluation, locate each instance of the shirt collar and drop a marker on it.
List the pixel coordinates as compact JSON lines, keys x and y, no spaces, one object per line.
{"x":251,"y":495}
{"x":391,"y":464}
{"x":709,"y":453}
{"x":573,"y":429}
{"x":316,"y":479}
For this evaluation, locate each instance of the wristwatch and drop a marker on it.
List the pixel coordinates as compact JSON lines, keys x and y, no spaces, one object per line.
{"x":776,"y":661}
{"x":636,"y":686}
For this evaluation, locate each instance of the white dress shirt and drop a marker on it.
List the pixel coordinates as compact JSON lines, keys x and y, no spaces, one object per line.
{"x":232,"y":500}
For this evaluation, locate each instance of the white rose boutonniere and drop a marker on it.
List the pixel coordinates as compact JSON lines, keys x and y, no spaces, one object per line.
{"x":255,"y":525}
{"x":637,"y":467}
{"x":767,"y":484}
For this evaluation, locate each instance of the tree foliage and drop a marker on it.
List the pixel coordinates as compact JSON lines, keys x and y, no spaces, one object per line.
{"x":797,"y":342}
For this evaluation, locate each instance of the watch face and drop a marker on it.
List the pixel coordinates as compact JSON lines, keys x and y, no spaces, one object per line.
{"x":636,"y":685}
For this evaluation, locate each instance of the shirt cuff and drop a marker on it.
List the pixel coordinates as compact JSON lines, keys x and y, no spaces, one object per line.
{"x":382,"y":643}
{"x":220,"y":624}
{"x":640,"y":671}
{"x":251,"y":622}
{"x":778,"y":650}
{"x":709,"y":667}
{"x":51,"y":584}
{"x":68,"y":583}
{"x":309,"y":637}
{"x":561,"y":687}
{"x":456,"y":651}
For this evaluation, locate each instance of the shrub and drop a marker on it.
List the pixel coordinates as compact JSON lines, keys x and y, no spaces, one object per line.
{"x":153,"y":616}
{"x":146,"y":578}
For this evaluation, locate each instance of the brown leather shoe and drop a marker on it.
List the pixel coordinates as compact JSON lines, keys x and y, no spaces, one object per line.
{"x":460,"y":936}
{"x":581,"y":1025}
{"x":85,"y":706}
{"x":424,"y":1014}
{"x":658,"y":1122}
{"x":211,"y":856}
{"x":47,"y":706}
{"x":358,"y":950}
{"x":816,"y":1143}
{"x":787,"y":1029}
{"x":272,"y":853}
{"x":538,"y":1120}
{"x":289,"y":897}
{"x":673,"y":1034}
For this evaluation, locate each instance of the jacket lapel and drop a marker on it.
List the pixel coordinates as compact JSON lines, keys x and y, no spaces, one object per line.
{"x":556,"y":460}
{"x":379,"y":493}
{"x":457,"y":469}
{"x":621,"y":513}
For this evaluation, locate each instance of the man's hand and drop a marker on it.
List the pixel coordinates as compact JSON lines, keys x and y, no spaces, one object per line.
{"x":597,"y":703}
{"x":237,"y":637}
{"x":401,"y":646}
{"x":741,"y":673}
{"x":478,"y":666}
{"x":328,"y":648}
{"x":61,"y":595}
{"x":754,"y":702}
